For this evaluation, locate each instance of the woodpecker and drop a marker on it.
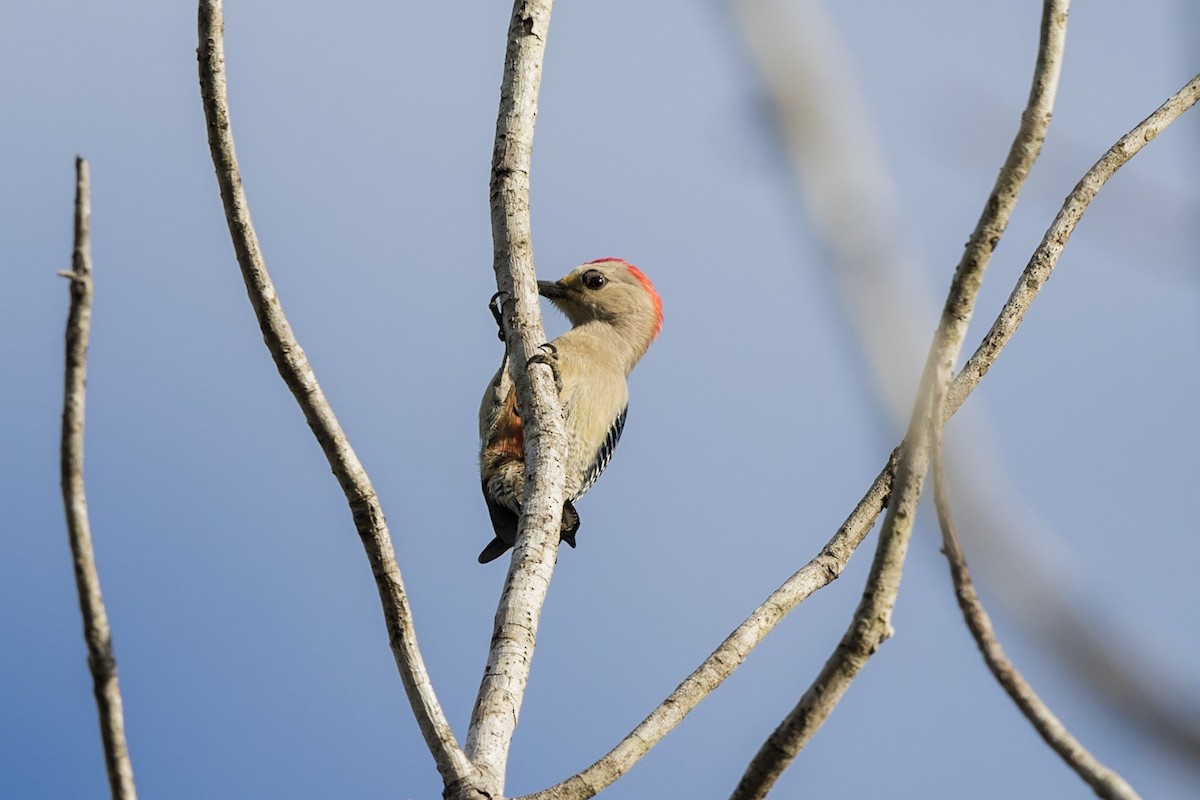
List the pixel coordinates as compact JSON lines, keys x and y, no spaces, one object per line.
{"x":615,"y":314}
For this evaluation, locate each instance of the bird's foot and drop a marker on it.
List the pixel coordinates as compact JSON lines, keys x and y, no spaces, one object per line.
{"x":494,"y":305}
{"x":570,"y":523}
{"x":548,"y":354}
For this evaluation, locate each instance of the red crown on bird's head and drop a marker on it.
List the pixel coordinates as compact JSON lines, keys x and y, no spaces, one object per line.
{"x":646,"y":284}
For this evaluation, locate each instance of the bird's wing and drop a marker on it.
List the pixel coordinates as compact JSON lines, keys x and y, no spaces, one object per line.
{"x":604,"y":454}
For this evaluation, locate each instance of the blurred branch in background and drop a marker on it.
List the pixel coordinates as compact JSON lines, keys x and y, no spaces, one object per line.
{"x":852,"y":204}
{"x":96,"y":632}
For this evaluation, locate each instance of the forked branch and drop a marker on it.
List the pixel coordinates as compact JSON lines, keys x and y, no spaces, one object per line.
{"x":1103,"y":780}
{"x":849,"y":202}
{"x":1044,"y":259}
{"x":1034,"y":277}
{"x":871,"y":624}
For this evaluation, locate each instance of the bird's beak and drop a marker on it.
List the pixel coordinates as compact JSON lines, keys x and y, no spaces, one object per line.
{"x":554,"y":290}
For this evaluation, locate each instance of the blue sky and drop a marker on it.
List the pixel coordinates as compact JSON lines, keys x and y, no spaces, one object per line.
{"x":251,"y":650}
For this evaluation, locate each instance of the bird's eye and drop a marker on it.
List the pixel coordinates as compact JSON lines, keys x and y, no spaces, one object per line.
{"x":594,"y":279}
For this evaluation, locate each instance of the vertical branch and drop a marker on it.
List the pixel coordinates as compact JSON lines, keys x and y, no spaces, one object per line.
{"x":497,"y":707}
{"x":298,"y":374}
{"x":96,"y":633}
{"x":871,"y":625}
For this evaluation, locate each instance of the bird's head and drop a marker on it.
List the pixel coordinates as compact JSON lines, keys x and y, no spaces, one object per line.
{"x":612,"y":291}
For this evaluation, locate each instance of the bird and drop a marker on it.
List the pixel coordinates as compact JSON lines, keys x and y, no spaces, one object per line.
{"x":615,"y":314}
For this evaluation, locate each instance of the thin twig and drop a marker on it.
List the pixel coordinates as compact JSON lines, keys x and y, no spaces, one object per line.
{"x":498,"y":704}
{"x":1105,"y":781}
{"x":96,"y":633}
{"x":822,"y":570}
{"x":871,"y":624}
{"x":298,"y":374}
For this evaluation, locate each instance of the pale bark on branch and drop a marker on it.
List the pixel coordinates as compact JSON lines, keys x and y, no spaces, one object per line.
{"x":871,"y":624}
{"x":96,"y":631}
{"x":1106,"y":782}
{"x":822,"y":570}
{"x":498,"y":704}
{"x":298,"y":374}
{"x":1137,"y":701}
{"x":1044,"y":259}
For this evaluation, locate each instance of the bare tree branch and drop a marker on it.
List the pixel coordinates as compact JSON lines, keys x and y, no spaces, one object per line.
{"x":298,"y":374}
{"x":101,"y":661}
{"x":848,"y":196}
{"x":1044,"y":259}
{"x":497,"y":707}
{"x":871,"y":625}
{"x":819,"y":572}
{"x":1105,"y":781}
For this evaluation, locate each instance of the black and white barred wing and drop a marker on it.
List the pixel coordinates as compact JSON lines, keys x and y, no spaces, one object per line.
{"x":604,"y":454}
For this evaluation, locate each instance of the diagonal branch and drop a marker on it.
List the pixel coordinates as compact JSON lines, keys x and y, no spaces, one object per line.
{"x":822,"y":570}
{"x":1104,"y":781}
{"x":96,"y":632}
{"x":871,"y":624}
{"x":498,"y":705}
{"x":298,"y":374}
